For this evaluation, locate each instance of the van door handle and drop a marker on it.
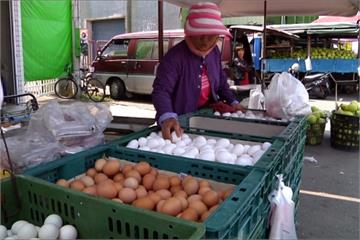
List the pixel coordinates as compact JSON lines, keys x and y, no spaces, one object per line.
{"x":137,"y":65}
{"x":123,"y":62}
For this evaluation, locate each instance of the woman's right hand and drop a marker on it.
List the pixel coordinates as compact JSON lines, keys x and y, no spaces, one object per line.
{"x":170,"y":125}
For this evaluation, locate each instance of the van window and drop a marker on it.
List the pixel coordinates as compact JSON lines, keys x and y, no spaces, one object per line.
{"x":117,"y":48}
{"x":148,"y":49}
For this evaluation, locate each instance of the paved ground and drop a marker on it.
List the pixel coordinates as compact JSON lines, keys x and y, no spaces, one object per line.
{"x":329,"y":199}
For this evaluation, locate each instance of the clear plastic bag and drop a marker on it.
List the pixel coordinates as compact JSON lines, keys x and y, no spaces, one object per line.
{"x":282,"y":225}
{"x":286,"y":97}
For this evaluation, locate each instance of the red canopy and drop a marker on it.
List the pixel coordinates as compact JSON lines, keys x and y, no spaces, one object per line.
{"x":327,"y":19}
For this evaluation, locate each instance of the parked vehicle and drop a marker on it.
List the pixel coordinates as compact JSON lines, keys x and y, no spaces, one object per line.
{"x":128,"y":62}
{"x":317,"y":84}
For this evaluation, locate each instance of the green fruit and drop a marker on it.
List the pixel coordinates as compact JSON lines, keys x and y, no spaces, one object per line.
{"x":322,"y":114}
{"x":315,"y":109}
{"x":352,"y":107}
{"x":343,"y":107}
{"x":317,"y":114}
{"x":312,"y":119}
{"x":321,"y":121}
{"x":348,"y":113}
{"x":357,"y":113}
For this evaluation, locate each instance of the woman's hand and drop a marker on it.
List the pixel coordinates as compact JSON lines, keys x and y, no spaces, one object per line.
{"x":239,"y":107}
{"x":170,"y":125}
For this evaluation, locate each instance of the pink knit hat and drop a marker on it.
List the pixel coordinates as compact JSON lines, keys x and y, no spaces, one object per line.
{"x":205,"y":19}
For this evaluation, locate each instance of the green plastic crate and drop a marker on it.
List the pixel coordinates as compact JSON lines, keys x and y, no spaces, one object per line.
{"x":92,"y":217}
{"x":231,"y":217}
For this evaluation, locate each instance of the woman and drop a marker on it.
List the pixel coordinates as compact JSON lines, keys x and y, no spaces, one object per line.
{"x":242,"y":64}
{"x":190,"y":75}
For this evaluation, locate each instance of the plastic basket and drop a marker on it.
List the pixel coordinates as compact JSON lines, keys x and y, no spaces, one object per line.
{"x":345,"y":132}
{"x":92,"y":217}
{"x":315,"y":133}
{"x":227,"y":221}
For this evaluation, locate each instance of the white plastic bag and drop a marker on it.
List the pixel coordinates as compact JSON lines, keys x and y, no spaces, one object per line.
{"x":257,"y":98}
{"x":286,"y":97}
{"x":282,"y":225}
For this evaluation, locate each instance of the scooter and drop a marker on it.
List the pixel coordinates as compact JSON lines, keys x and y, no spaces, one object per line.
{"x":317,"y":84}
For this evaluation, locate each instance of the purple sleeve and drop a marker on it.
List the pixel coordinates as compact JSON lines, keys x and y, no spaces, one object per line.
{"x":224,"y":89}
{"x":166,"y":116}
{"x":163,"y":87}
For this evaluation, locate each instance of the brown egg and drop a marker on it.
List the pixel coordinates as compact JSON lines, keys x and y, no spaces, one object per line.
{"x":203,"y":190}
{"x":118,"y":177}
{"x":204,"y":183}
{"x":154,"y":172}
{"x":118,"y":186}
{"x":187,"y":178}
{"x":175,"y":181}
{"x":159,"y":205}
{"x":162,"y":175}
{"x":140,"y":192}
{"x":100,"y":177}
{"x":204,"y":216}
{"x":134,"y":174}
{"x":181,"y":194}
{"x":127,"y":168}
{"x":90,"y":190}
{"x":143,"y":168}
{"x":63,"y":183}
{"x":213,"y":207}
{"x":77,"y":185}
{"x":161,"y":183}
{"x":221,"y":194}
{"x":87,"y":180}
{"x":175,"y":189}
{"x":106,"y":189}
{"x":210,"y":198}
{"x":163,"y":193}
{"x":227,"y":192}
{"x":191,"y":186}
{"x":91,"y":172}
{"x":189,"y":214}
{"x":144,"y":202}
{"x":195,"y":197}
{"x":154,"y":197}
{"x":111,"y":168}
{"x":99,"y":164}
{"x":172,"y":206}
{"x":199,"y":206}
{"x":131,"y":182}
{"x":148,"y":181}
{"x":184,"y":203}
{"x":127,"y":195}
{"x":117,"y":200}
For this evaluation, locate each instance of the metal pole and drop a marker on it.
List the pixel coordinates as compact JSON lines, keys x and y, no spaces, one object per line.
{"x":160,"y":29}
{"x":263,"y":50}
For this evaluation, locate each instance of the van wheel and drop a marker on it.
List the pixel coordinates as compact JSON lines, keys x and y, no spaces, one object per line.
{"x":117,"y":89}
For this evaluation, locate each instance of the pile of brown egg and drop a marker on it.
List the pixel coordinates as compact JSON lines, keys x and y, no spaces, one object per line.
{"x":143,"y":186}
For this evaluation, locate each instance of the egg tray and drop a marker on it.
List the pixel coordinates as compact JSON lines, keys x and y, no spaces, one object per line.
{"x":94,"y":218}
{"x":231,"y":217}
{"x":291,"y":132}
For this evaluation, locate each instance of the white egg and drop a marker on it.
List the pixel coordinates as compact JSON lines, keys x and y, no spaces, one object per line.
{"x":185,"y":136}
{"x":238,"y":149}
{"x":144,"y":148}
{"x":48,"y":231}
{"x":217,"y":113}
{"x":227,"y":114}
{"x":223,"y":142}
{"x":174,"y":137}
{"x":200,"y":141}
{"x":206,"y":147}
{"x":133,"y":144}
{"x":161,"y":142}
{"x":54,"y":219}
{"x":27,"y":231}
{"x":17,"y":225}
{"x":168,"y":148}
{"x":68,"y":232}
{"x":230,"y":147}
{"x":208,"y":156}
{"x":192,"y":150}
{"x":153,"y":143}
{"x":265,"y":146}
{"x":220,"y":149}
{"x":3,"y":232}
{"x":167,"y":141}
{"x":153,"y":134}
{"x":253,"y":149}
{"x":223,"y":157}
{"x":142,"y":141}
{"x":239,"y":112}
{"x":9,"y":233}
{"x":188,"y":155}
{"x":161,"y":151}
{"x":257,"y":156}
{"x":187,"y":141}
{"x":244,"y":161}
{"x":180,"y":143}
{"x":211,"y":141}
{"x":160,"y":134}
{"x":246,"y":148}
{"x":234,"y":115}
{"x":178,"y":151}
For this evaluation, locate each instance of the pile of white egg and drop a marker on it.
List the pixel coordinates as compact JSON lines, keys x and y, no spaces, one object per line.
{"x":51,"y":229}
{"x":209,"y":149}
{"x":249,"y":115}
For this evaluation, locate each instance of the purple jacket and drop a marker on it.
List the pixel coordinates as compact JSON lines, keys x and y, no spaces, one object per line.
{"x":177,"y":86}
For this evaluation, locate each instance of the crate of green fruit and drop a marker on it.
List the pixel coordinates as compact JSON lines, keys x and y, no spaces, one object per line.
{"x":316,"y":123}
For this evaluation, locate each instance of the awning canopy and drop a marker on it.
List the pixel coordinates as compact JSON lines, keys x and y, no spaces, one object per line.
{"x":231,"y":8}
{"x":269,"y":30}
{"x":337,"y":19}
